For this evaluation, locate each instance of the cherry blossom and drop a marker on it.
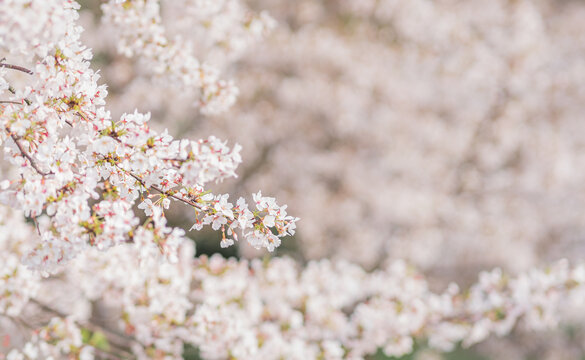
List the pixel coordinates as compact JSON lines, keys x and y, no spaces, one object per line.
{"x":391,"y":140}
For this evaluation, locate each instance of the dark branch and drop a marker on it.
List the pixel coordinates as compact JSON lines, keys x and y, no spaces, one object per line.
{"x":16,"y":67}
{"x":154,"y":187}
{"x":28,"y":157}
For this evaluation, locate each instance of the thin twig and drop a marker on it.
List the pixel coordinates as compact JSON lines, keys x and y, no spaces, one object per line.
{"x":11,"y":89}
{"x":153,"y":187}
{"x":16,"y":67}
{"x":34,"y":219}
{"x":28,"y":157}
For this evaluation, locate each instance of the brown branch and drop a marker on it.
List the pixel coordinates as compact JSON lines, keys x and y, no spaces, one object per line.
{"x":156,"y":188}
{"x":28,"y":157}
{"x":34,"y":219}
{"x":16,"y":67}
{"x":11,"y":89}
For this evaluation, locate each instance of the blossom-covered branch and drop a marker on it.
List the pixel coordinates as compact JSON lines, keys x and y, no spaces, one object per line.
{"x":83,"y":179}
{"x":275,"y":309}
{"x":142,"y":33}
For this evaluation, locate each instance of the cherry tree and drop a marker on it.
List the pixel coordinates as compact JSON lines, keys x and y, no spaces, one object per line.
{"x":92,"y":268}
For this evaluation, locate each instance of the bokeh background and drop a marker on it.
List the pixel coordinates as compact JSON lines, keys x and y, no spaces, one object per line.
{"x":448,"y":133}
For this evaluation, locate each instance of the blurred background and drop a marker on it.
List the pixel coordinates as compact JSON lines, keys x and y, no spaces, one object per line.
{"x":448,"y":133}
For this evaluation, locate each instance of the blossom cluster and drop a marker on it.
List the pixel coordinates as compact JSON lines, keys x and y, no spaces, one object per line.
{"x":58,"y":339}
{"x":447,"y":153}
{"x":79,"y":172}
{"x":17,"y":283}
{"x":272,"y":309}
{"x":445,"y":133}
{"x":229,"y":27}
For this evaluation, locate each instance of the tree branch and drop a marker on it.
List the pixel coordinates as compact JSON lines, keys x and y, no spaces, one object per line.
{"x":27,"y":156}
{"x":16,"y":67}
{"x":156,"y":188}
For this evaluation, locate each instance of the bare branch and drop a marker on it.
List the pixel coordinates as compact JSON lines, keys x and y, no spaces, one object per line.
{"x":16,"y":67}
